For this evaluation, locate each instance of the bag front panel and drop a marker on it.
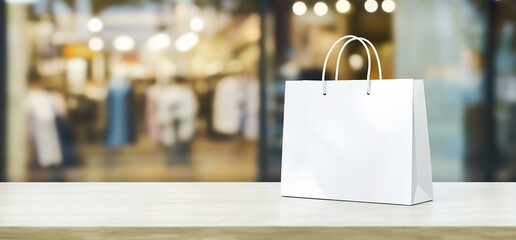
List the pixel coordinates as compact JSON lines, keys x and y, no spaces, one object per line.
{"x":348,"y":145}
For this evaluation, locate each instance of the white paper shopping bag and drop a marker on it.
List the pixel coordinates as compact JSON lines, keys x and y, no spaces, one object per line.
{"x":356,"y":140}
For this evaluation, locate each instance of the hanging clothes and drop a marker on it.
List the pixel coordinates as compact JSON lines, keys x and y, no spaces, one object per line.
{"x":120,"y":122}
{"x":65,"y":134}
{"x":41,"y":111}
{"x":83,"y":113}
{"x":236,"y":106}
{"x":66,"y":137}
{"x":151,"y":122}
{"x":176,"y":109}
{"x":228,"y":105}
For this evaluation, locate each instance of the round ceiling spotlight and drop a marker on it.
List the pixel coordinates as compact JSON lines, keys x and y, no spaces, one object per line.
{"x":124,"y":43}
{"x":159,"y":42}
{"x":343,"y":6}
{"x":356,"y":62}
{"x":95,"y":25}
{"x":197,"y":24}
{"x":320,"y":9}
{"x":299,"y":8}
{"x":388,"y":6}
{"x":96,"y":44}
{"x":371,"y":6}
{"x":187,"y":41}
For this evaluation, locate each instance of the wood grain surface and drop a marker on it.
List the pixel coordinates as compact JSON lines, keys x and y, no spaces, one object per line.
{"x":212,"y":211}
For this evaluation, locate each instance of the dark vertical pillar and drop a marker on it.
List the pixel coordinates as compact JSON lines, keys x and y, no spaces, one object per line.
{"x":282,"y":26}
{"x":491,"y":154}
{"x":263,"y":150}
{"x":3,"y":92}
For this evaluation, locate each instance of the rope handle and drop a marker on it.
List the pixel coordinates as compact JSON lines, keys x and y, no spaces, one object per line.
{"x":364,"y":43}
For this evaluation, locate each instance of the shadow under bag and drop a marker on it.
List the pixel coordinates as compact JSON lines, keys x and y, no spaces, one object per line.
{"x":356,"y":140}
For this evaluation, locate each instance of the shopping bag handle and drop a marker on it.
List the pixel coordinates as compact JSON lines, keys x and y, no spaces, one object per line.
{"x":351,"y":38}
{"x":369,"y":67}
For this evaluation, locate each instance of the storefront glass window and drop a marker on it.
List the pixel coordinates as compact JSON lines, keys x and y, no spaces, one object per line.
{"x":192,"y":90}
{"x":133,"y":90}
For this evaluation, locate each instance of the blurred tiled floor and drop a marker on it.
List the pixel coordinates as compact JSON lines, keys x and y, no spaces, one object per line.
{"x":212,"y":160}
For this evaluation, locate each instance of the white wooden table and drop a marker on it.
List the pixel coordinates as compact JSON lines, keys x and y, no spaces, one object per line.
{"x":246,"y":211}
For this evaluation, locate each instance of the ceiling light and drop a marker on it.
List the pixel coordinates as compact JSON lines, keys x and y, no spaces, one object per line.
{"x":371,"y":6}
{"x":299,"y":8}
{"x":159,"y":42}
{"x":21,"y":1}
{"x":343,"y":6}
{"x":95,"y":25}
{"x":96,"y":44}
{"x":124,"y":43}
{"x":388,"y":6}
{"x":356,"y":62}
{"x":197,"y":24}
{"x":320,"y":8}
{"x":186,"y":42}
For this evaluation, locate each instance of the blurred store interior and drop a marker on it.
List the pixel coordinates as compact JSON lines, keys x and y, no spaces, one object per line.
{"x":192,"y":90}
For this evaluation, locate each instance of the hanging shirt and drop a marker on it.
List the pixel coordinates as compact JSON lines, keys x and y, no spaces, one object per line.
{"x":120,"y":122}
{"x":176,"y":114}
{"x":41,"y":111}
{"x":228,"y":105}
